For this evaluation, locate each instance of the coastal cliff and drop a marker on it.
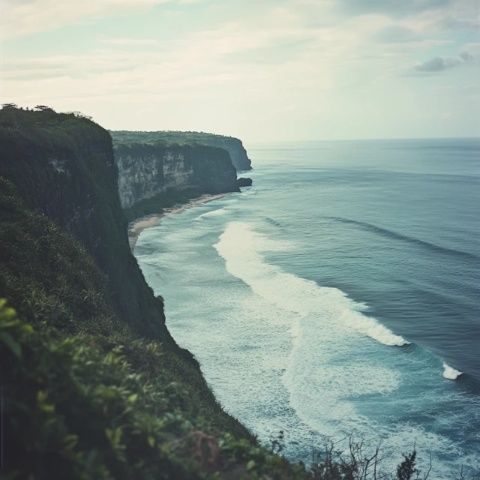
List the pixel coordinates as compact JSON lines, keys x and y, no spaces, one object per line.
{"x":93,"y":386}
{"x":63,"y":167}
{"x":234,"y":146}
{"x":149,"y":170}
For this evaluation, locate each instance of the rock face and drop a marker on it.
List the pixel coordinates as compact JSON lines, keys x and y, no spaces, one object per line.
{"x":233,"y":146}
{"x":244,"y":182}
{"x":146,"y":170}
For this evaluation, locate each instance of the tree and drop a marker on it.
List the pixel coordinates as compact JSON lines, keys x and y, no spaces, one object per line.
{"x":407,"y":468}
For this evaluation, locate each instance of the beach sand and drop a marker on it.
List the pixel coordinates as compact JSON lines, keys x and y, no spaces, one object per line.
{"x":137,"y":226}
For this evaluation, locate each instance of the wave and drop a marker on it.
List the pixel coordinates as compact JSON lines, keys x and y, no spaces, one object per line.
{"x":241,"y":249}
{"x":213,"y":213}
{"x":406,"y":238}
{"x":450,"y":373}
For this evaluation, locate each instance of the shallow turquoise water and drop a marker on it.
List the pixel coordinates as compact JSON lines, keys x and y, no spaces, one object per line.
{"x":336,"y":295}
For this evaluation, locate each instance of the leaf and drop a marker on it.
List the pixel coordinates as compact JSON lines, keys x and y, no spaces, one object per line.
{"x":114,"y":435}
{"x":70,"y":441}
{"x":41,"y":396}
{"x":14,"y":347}
{"x":42,"y":402}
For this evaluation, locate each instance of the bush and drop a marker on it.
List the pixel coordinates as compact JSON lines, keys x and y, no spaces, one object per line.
{"x":86,"y":407}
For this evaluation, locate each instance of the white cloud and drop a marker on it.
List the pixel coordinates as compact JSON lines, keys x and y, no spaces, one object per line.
{"x":129,"y":42}
{"x":22,"y":17}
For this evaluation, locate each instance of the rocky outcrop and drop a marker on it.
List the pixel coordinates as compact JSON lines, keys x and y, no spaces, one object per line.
{"x":244,"y":182}
{"x":147,"y":170}
{"x":233,"y":146}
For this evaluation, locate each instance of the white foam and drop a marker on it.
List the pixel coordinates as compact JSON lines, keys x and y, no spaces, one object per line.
{"x":241,"y":248}
{"x":333,"y":360}
{"x":214,"y":213}
{"x":450,"y":373}
{"x":291,"y":347}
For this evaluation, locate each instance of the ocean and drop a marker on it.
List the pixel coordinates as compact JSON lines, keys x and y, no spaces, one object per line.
{"x":337,"y":297}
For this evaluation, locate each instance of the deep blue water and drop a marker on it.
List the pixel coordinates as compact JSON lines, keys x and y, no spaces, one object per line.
{"x":336,"y":294}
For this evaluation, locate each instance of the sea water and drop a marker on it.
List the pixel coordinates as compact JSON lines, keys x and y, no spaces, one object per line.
{"x":338,"y":296}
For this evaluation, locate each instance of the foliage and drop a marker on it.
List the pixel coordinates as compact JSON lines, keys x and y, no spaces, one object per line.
{"x":360,"y":463}
{"x":47,"y":274}
{"x":169,"y":137}
{"x":233,"y":145}
{"x":407,"y":469}
{"x":91,"y":408}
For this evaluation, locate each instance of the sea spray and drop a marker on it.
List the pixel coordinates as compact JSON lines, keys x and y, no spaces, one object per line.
{"x":450,"y":373}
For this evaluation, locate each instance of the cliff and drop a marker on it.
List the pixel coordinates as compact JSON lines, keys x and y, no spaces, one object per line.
{"x":63,"y":167}
{"x":233,"y":146}
{"x":92,"y":385}
{"x":148,"y":170}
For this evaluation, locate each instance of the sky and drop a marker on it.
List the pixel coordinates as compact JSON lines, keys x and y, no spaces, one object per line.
{"x":262,"y":70}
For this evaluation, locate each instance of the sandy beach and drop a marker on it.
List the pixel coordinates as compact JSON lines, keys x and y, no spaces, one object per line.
{"x":137,"y":226}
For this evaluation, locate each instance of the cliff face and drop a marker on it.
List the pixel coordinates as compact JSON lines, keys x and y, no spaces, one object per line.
{"x":233,"y":146}
{"x":148,"y":170}
{"x":63,"y":167}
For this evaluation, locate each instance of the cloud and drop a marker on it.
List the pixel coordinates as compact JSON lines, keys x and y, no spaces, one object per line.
{"x":462,"y":23}
{"x":279,"y":52}
{"x":23,"y":17}
{"x":278,"y":66}
{"x":438,"y":64}
{"x":129,"y":42}
{"x":392,"y":7}
{"x":464,"y":15}
{"x":395,"y":34}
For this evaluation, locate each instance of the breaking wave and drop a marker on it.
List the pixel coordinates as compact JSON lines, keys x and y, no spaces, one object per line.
{"x":213,"y":213}
{"x":450,"y":373}
{"x":242,"y":248}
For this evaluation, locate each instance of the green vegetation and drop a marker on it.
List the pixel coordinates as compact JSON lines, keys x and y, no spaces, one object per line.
{"x":172,"y":137}
{"x":233,"y":146}
{"x":92,"y":407}
{"x":48,"y":275}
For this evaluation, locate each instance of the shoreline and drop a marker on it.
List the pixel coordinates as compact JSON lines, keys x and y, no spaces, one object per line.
{"x":137,"y":226}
